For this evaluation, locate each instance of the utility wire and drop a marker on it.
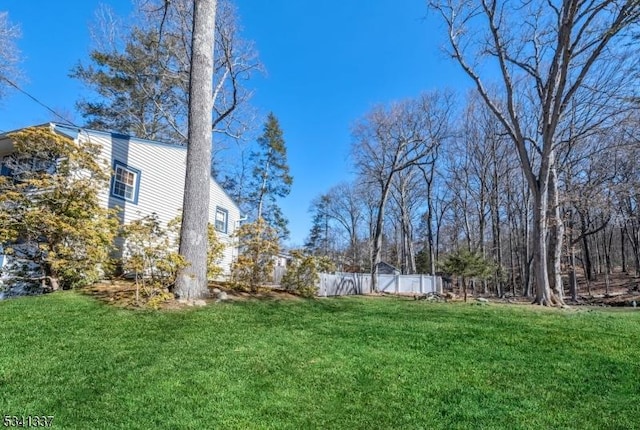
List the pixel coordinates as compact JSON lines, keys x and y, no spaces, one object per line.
{"x":14,"y":85}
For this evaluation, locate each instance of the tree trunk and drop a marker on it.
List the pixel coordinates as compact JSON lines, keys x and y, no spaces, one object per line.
{"x":598,"y":256}
{"x":191,"y":282}
{"x":623,"y":251}
{"x":573,"y":279}
{"x":544,"y":295}
{"x":263,"y":190}
{"x":464,"y":289}
{"x":430,"y":241}
{"x":586,"y":256}
{"x":556,"y":236}
{"x":377,"y":236}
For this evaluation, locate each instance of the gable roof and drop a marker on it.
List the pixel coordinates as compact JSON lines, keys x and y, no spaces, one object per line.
{"x":73,"y":132}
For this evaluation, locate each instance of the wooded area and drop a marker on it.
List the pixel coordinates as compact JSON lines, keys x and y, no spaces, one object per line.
{"x":535,"y":170}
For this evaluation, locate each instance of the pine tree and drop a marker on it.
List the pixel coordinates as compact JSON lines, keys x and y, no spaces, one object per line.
{"x":139,"y":90}
{"x":318,"y":240}
{"x":270,"y":176}
{"x":139,"y":71}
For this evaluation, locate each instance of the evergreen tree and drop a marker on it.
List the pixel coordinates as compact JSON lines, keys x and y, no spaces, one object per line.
{"x":270,"y":176}
{"x":467,"y":265}
{"x":139,"y":72}
{"x":139,"y":92}
{"x":318,"y":240}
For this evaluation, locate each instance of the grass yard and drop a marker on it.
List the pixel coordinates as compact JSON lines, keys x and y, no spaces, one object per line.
{"x":348,"y":363}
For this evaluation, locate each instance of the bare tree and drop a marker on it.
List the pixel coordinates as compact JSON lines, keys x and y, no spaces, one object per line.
{"x":9,"y":54}
{"x":550,"y":55}
{"x":191,"y":282}
{"x":389,"y":140}
{"x":345,"y":206}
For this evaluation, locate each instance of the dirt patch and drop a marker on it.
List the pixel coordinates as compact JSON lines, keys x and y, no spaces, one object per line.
{"x":619,"y":290}
{"x":623,"y":291}
{"x":118,"y":293}
{"x":122,"y":293}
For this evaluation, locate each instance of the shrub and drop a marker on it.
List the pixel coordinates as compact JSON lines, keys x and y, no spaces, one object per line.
{"x":51,"y":220}
{"x":150,"y":253}
{"x":302,"y":275}
{"x":258,"y":249}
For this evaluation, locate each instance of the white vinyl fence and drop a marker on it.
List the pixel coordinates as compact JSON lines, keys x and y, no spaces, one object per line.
{"x":342,"y":284}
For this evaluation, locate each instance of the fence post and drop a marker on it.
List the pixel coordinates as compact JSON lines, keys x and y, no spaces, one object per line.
{"x":421,"y":283}
{"x":397,"y":284}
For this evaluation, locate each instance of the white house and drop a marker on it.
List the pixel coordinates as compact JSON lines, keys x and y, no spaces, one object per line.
{"x":148,"y":177}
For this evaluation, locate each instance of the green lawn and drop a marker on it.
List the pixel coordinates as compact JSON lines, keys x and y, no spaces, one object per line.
{"x":350,"y":363}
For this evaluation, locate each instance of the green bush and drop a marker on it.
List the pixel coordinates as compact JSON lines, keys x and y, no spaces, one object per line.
{"x":150,"y":254}
{"x":258,"y":250}
{"x":302,"y":275}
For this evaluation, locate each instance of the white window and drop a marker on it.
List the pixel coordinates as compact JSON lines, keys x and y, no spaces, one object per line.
{"x":125,"y":183}
{"x":222,"y":216}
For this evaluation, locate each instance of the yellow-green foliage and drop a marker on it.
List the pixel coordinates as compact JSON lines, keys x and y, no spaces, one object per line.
{"x":215,"y":248}
{"x":258,"y":249}
{"x":158,"y":299}
{"x":302,"y":273}
{"x":151,"y":254}
{"x":214,"y":253}
{"x":50,"y":206}
{"x":148,"y":254}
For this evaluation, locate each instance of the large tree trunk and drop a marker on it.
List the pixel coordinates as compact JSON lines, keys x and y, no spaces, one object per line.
{"x":556,"y":236}
{"x":376,"y":256}
{"x":623,"y":255}
{"x":191,"y":282}
{"x":539,"y":245}
{"x":544,"y":295}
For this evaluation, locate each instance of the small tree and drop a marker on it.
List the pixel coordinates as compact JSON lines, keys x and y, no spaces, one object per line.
{"x":51,"y":216}
{"x":151,"y":255}
{"x":467,"y":265}
{"x":270,"y":176}
{"x":214,"y":253}
{"x":258,"y":249}
{"x":302,"y":275}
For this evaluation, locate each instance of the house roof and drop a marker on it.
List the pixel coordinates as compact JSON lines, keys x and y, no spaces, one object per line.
{"x":385,"y":265}
{"x":6,"y":146}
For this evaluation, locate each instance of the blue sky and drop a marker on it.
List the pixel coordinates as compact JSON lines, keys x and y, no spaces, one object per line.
{"x":327,"y":63}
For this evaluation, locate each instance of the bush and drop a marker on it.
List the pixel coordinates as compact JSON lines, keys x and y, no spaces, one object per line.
{"x":51,"y":220}
{"x":302,"y":275}
{"x":258,"y":249}
{"x":150,"y":254}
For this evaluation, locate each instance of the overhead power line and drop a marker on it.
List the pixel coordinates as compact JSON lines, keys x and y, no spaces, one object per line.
{"x":17,"y":87}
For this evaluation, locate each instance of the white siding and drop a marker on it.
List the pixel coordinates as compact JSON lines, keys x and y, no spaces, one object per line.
{"x":161,"y":182}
